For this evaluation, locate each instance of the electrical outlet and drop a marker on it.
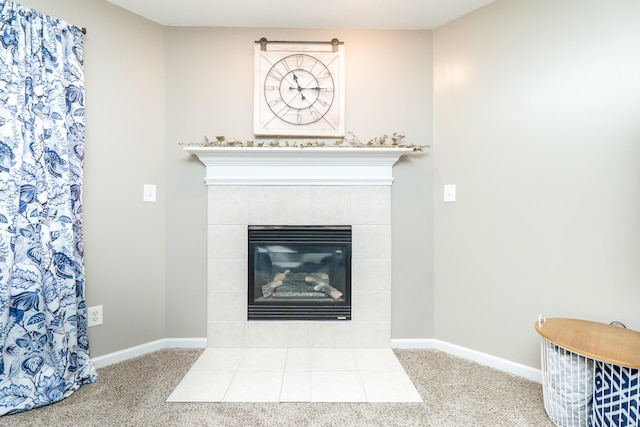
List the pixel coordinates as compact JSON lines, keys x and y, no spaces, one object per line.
{"x":149,"y":193}
{"x":94,"y":316}
{"x":450,"y":193}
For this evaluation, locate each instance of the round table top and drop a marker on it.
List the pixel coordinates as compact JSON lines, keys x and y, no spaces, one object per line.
{"x":600,"y":341}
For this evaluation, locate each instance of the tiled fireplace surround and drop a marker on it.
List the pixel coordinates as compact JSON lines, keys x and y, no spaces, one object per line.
{"x":293,"y":186}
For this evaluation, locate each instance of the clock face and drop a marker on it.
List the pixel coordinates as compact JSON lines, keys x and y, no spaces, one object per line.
{"x":299,"y":89}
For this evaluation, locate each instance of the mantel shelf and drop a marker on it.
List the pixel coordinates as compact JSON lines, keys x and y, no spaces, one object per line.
{"x":298,"y":166}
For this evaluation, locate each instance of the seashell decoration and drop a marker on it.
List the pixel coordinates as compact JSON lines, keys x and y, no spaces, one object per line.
{"x":349,"y":141}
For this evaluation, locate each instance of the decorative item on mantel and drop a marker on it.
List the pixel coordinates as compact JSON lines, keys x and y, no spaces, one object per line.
{"x":350,"y":141}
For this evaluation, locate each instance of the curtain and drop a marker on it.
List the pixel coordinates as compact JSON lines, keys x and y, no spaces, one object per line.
{"x":43,"y":327}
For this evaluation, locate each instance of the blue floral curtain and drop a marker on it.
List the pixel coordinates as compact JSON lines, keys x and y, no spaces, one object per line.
{"x":43,"y":327}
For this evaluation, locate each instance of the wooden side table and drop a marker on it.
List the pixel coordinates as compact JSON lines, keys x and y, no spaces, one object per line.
{"x":589,"y":371}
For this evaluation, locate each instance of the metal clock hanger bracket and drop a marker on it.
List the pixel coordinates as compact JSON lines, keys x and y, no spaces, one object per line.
{"x":264,"y":42}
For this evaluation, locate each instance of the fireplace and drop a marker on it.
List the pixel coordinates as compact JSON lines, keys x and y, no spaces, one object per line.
{"x":301,"y":188}
{"x":299,"y":273}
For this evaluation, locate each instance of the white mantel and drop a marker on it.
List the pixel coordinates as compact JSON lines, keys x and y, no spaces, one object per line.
{"x":298,"y":166}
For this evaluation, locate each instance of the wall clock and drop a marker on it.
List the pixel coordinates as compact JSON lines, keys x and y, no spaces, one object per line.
{"x":299,"y":89}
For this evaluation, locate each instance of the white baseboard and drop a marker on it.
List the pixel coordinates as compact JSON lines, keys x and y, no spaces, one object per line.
{"x":473,"y":355}
{"x":150,"y":347}
{"x":414,"y":343}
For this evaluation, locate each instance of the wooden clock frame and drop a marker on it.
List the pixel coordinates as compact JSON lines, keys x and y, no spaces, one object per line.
{"x":299,"y":89}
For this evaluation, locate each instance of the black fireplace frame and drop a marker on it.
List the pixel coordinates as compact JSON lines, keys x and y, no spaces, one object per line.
{"x":300,"y":235}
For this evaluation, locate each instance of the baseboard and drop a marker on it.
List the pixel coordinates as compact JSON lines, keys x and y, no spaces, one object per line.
{"x":150,"y":347}
{"x":456,"y":350}
{"x":414,"y":343}
{"x":473,"y":355}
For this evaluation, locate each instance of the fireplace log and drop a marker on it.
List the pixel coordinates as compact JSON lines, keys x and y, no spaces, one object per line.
{"x":323,"y":286}
{"x":267,"y":290}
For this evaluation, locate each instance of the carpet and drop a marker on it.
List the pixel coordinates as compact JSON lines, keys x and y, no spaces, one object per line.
{"x":455,"y":392}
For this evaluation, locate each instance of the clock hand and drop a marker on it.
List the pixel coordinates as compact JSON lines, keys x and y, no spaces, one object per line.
{"x":299,"y":89}
{"x":295,"y":78}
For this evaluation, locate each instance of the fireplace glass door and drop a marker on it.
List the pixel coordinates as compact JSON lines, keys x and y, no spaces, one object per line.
{"x":299,"y":273}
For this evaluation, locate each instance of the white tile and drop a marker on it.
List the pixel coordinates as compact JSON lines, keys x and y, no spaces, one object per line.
{"x":332,"y":359}
{"x":300,"y":206}
{"x":202,"y":386}
{"x":263,"y":359}
{"x":371,"y":205}
{"x":296,"y":386}
{"x":331,"y":334}
{"x":371,"y":242}
{"x":371,"y":306}
{"x":371,"y":275}
{"x":265,"y":203}
{"x":226,"y":334}
{"x":337,"y":386}
{"x":373,"y":375}
{"x":279,"y":205}
{"x":371,"y":334}
{"x":298,"y":334}
{"x":389,"y":386}
{"x":219,"y":359}
{"x":255,"y":386}
{"x":227,"y":306}
{"x":376,"y":359}
{"x":331,"y":205}
{"x":227,"y":274}
{"x":267,"y":334}
{"x":227,"y":205}
{"x":298,"y":359}
{"x":227,"y":242}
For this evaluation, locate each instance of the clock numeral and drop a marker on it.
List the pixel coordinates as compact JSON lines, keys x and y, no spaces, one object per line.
{"x":275,"y":73}
{"x":324,"y":74}
{"x":300,"y":61}
{"x":285,"y":65}
{"x":307,"y":115}
{"x":275,"y":102}
{"x":271,"y":87}
{"x":316,"y":64}
{"x":282,"y":112}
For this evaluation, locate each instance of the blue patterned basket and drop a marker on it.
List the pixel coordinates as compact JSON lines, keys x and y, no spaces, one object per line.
{"x":616,"y":396}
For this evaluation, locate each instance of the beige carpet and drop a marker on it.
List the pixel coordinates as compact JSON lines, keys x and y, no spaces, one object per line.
{"x":456,"y":392}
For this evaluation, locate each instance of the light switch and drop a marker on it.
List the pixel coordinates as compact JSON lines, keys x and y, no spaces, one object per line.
{"x":449,"y":193}
{"x":149,"y":193}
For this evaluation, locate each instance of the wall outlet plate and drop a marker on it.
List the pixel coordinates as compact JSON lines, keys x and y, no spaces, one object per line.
{"x":449,"y":193}
{"x":149,"y":193}
{"x":94,"y":316}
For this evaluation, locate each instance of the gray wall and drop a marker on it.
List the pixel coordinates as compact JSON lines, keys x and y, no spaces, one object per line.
{"x":150,"y":88}
{"x":124,"y":237}
{"x":537,"y":112}
{"x":209,"y":91}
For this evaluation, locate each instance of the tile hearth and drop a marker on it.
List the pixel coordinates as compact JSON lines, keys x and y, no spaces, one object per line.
{"x":298,"y":361}
{"x":296,"y":375}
